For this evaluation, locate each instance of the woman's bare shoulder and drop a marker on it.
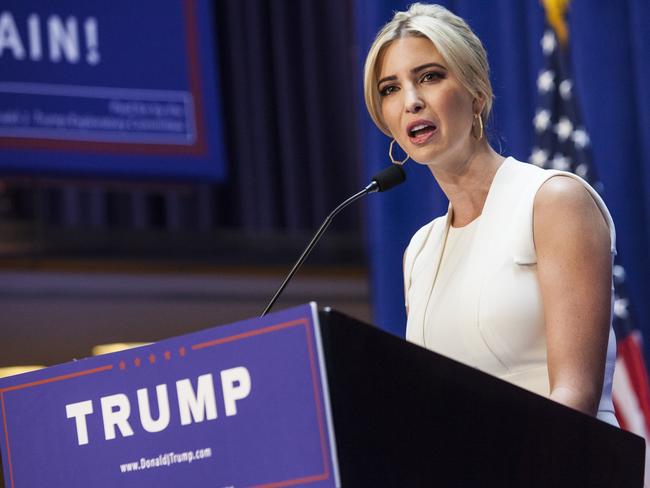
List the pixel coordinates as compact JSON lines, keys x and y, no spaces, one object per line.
{"x":564,"y":205}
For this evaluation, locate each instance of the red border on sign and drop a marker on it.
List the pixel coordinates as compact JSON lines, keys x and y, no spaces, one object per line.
{"x":196,"y":347}
{"x":194,"y":73}
{"x":36,"y":383}
{"x":317,"y":398}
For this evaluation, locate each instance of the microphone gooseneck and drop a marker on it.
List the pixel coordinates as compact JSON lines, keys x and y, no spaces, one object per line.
{"x":382,"y":181}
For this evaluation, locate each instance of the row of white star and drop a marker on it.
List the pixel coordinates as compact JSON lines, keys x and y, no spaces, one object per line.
{"x":540,"y":157}
{"x":564,"y":128}
{"x":621,"y":307}
{"x":546,"y":83}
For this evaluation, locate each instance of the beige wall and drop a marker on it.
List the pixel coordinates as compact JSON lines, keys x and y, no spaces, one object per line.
{"x":53,"y":317}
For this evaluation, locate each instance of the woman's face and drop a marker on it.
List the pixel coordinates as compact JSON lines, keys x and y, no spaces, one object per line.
{"x":425,"y":107}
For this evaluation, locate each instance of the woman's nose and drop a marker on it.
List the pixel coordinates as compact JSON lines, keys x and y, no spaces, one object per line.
{"x":413,"y":102}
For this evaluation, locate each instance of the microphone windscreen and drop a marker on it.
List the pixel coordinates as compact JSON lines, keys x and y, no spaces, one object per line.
{"x":389,"y":177}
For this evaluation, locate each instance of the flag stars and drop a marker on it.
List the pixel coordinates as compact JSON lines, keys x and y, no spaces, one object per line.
{"x":582,"y":170}
{"x":564,"y":129}
{"x":565,"y":89}
{"x":542,"y":120}
{"x":548,"y":42}
{"x":539,"y":157}
{"x":561,"y":163}
{"x":621,"y":308}
{"x":619,"y":272}
{"x":562,"y":141}
{"x":546,"y":81}
{"x":580,"y":138}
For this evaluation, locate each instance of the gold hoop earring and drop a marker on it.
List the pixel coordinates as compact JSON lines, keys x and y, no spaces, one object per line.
{"x":390,"y":155}
{"x":480,"y":126}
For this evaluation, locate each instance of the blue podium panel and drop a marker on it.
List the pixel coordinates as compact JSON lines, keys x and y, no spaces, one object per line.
{"x":244,"y":404}
{"x":111,"y":88}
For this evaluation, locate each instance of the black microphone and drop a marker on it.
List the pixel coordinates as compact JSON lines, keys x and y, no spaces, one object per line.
{"x":382,"y":181}
{"x":387,"y":178}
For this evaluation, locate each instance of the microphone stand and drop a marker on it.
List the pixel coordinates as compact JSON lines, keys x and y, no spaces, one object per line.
{"x":371,"y":188}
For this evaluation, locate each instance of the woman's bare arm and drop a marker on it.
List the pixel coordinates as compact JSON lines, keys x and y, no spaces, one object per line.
{"x":574,"y":264}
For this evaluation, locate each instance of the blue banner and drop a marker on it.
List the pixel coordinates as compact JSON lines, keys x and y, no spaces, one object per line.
{"x":120,"y":88}
{"x":239,"y":405}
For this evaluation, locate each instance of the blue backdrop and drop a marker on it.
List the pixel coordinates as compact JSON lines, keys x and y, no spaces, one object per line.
{"x":610,"y":46}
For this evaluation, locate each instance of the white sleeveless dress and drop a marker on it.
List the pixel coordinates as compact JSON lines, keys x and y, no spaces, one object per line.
{"x":472,"y":292}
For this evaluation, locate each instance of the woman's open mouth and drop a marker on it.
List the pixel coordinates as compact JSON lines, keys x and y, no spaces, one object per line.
{"x":421,"y":131}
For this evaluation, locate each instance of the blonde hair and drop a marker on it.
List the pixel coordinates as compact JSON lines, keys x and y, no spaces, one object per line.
{"x":453,"y":39}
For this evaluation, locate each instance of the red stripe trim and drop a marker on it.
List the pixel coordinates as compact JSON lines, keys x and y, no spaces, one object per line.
{"x":317,"y":399}
{"x":629,"y":352}
{"x":622,"y":421}
{"x":296,"y":481}
{"x":4,"y":422}
{"x":58,"y":378}
{"x":316,"y":392}
{"x":243,"y":335}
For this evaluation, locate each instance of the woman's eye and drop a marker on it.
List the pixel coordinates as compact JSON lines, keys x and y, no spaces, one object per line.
{"x":432,"y":76}
{"x":387,"y":90}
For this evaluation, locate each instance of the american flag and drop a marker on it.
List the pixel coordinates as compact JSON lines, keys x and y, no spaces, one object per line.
{"x":562,"y":143}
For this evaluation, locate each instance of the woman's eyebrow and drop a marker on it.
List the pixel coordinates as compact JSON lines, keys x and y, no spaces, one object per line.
{"x":426,"y":66}
{"x":387,"y":78}
{"x":415,"y":70}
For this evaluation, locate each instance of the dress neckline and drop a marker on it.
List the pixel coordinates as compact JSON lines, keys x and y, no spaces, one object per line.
{"x":465,"y":227}
{"x":450,"y":209}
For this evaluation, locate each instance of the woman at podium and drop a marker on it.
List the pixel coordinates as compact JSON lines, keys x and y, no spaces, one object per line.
{"x":516,"y":278}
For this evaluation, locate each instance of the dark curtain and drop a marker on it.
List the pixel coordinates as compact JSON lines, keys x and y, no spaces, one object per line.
{"x":610,"y":48}
{"x":288,"y":75}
